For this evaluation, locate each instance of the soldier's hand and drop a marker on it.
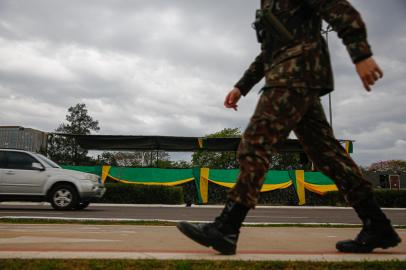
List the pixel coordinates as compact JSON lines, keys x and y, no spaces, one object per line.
{"x":369,"y":72}
{"x":232,"y":99}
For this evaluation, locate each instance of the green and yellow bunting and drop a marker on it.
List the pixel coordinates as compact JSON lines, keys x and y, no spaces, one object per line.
{"x":312,"y":181}
{"x":348,"y":145}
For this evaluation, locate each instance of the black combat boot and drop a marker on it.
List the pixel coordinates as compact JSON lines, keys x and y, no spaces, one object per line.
{"x":223,"y":233}
{"x":377,"y":231}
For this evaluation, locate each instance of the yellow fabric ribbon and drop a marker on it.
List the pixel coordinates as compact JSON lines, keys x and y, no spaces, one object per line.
{"x":200,"y":141}
{"x":300,"y":186}
{"x":320,"y":189}
{"x":105,"y":173}
{"x":204,"y":184}
{"x":170,"y":184}
{"x":265,"y":187}
{"x":347,"y":146}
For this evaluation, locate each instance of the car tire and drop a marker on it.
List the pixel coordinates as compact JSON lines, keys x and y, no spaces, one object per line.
{"x":63,"y":197}
{"x":82,"y":205}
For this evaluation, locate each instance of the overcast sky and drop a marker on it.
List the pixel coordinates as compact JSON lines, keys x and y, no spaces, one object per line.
{"x":159,"y":67}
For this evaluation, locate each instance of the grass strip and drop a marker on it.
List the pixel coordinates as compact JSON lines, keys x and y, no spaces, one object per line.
{"x":159,"y":223}
{"x":14,"y":264}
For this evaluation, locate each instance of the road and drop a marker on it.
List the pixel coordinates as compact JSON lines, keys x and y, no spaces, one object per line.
{"x":196,"y":213}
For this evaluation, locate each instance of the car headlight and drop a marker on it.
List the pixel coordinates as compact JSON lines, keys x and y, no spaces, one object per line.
{"x":91,"y":177}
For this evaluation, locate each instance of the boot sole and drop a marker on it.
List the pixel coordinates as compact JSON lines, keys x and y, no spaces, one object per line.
{"x":384,"y":245}
{"x":196,"y":236}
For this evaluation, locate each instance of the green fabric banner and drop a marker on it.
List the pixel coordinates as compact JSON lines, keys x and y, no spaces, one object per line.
{"x":317,"y":178}
{"x":87,"y":169}
{"x":151,"y":175}
{"x":198,"y":179}
{"x":230,"y":176}
{"x":311,"y":181}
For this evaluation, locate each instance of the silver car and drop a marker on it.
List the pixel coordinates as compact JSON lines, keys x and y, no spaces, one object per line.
{"x":28,"y":176}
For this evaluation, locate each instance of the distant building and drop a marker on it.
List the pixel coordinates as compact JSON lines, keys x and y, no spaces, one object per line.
{"x":387,"y":179}
{"x":29,"y":139}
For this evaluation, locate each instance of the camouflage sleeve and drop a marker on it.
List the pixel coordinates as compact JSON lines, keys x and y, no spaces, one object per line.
{"x":252,"y":75}
{"x":347,"y":22}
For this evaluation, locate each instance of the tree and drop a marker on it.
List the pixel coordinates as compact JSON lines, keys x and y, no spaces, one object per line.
{"x":219,"y":160}
{"x":286,"y":161}
{"x":159,"y":159}
{"x":228,"y":160}
{"x":123,"y":159}
{"x":388,"y":166}
{"x":65,"y":150}
{"x":181,"y":164}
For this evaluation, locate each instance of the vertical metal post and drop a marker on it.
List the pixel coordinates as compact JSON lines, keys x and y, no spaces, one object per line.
{"x":329,"y":29}
{"x":330,"y":109}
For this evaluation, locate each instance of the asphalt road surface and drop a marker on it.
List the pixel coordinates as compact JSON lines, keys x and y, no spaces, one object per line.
{"x":196,"y":213}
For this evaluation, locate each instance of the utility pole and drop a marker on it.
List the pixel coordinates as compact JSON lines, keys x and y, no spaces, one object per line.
{"x":330,"y":107}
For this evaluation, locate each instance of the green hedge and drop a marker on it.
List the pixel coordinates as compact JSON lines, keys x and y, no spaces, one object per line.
{"x":190,"y":193}
{"x":142,"y":194}
{"x":385,"y":198}
{"x":391,"y":198}
{"x":288,"y":196}
{"x":186,"y":193}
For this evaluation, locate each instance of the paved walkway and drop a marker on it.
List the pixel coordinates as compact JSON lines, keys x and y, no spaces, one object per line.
{"x":165,"y":242}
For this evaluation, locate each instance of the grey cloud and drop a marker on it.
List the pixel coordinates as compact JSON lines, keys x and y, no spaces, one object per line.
{"x":163,"y":67}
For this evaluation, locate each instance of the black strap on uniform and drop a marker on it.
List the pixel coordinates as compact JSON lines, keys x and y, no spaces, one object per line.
{"x":272,"y":21}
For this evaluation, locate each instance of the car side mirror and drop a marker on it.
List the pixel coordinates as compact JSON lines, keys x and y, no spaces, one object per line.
{"x":38,"y":166}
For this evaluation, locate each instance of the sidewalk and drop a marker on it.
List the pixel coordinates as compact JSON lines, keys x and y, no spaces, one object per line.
{"x":165,"y":242}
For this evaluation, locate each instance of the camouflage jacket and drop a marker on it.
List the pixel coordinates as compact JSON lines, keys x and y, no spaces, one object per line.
{"x":305,"y":62}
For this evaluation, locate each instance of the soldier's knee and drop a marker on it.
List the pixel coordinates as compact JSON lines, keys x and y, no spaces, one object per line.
{"x":254,"y":163}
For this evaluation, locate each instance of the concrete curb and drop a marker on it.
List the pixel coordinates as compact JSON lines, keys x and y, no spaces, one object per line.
{"x":252,"y":224}
{"x":201,"y":256}
{"x":169,"y":220}
{"x":184,"y":205}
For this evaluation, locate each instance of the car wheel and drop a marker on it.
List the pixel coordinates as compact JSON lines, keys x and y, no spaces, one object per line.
{"x":82,"y":205}
{"x":63,"y":197}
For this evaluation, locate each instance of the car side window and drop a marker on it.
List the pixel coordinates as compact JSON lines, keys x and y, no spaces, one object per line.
{"x":20,"y":161}
{"x":2,"y":160}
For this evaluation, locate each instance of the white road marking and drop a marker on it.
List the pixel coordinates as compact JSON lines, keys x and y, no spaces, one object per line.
{"x":196,"y":206}
{"x":29,"y":212}
{"x":36,"y":240}
{"x":275,"y":217}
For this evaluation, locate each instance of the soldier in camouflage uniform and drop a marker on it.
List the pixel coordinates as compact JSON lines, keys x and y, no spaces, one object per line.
{"x":297,"y":72}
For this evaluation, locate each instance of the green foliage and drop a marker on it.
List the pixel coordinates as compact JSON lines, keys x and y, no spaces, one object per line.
{"x":228,"y":160}
{"x":168,"y":164}
{"x":190,"y":192}
{"x":181,"y":164}
{"x":186,"y":193}
{"x":391,"y":198}
{"x":138,"y":159}
{"x":289,"y":161}
{"x":333,"y":198}
{"x":288,"y":196}
{"x":217,"y":160}
{"x":110,"y":264}
{"x":142,"y":194}
{"x":65,"y":150}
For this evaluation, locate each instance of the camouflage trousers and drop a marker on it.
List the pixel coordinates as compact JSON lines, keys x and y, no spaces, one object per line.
{"x":279,"y":111}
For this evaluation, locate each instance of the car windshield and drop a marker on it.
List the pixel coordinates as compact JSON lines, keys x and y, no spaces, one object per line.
{"x":47,"y":161}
